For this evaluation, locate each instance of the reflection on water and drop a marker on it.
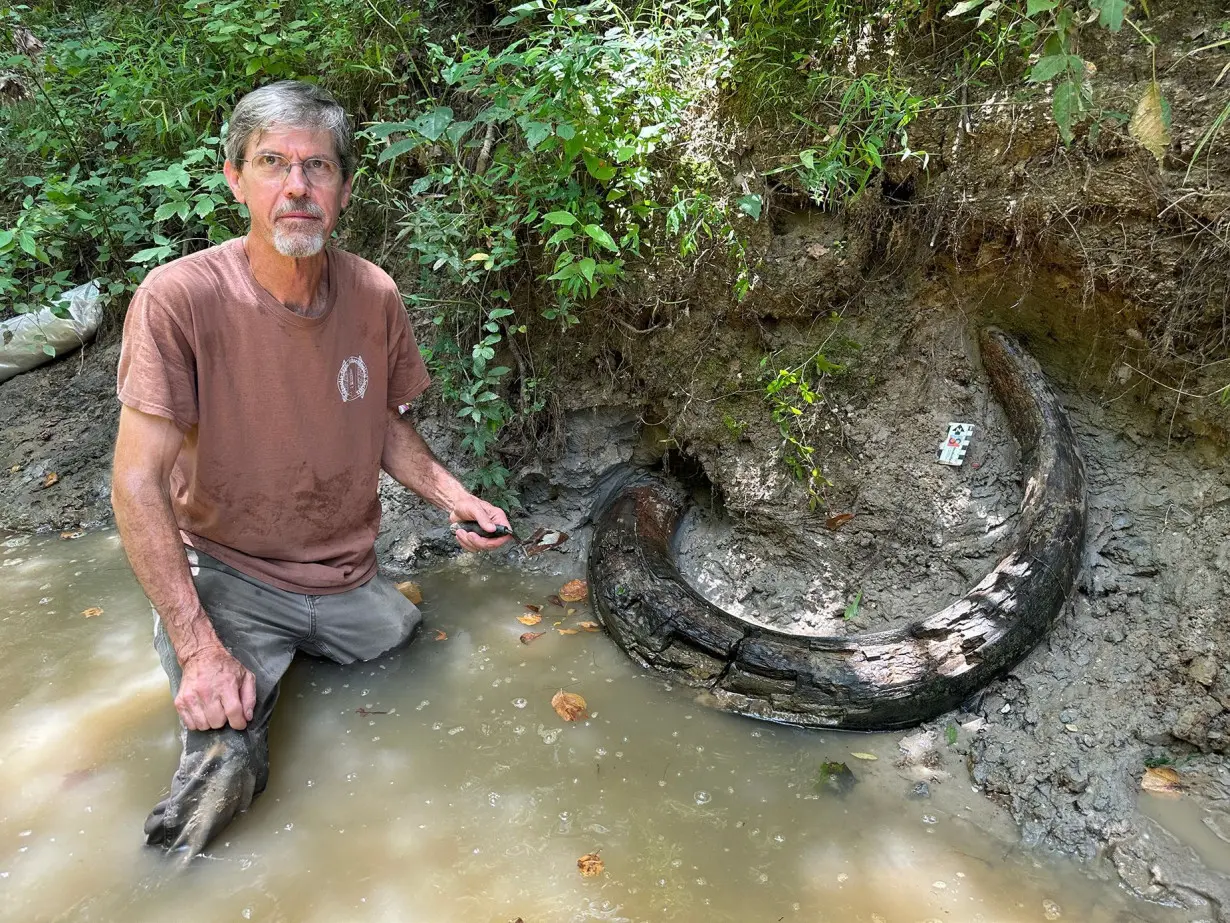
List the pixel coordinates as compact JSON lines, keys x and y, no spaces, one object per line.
{"x":439,"y":785}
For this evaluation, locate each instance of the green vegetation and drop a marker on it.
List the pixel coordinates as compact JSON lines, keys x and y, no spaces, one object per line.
{"x":512,"y":177}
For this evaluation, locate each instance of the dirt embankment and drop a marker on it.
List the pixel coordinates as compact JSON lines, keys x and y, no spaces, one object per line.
{"x":1113,"y":271}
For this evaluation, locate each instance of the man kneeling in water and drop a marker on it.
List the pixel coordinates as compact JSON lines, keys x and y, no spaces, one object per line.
{"x":260,"y":381}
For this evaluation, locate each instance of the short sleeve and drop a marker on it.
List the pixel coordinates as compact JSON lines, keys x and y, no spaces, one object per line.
{"x":157,"y":368}
{"x":408,"y":376}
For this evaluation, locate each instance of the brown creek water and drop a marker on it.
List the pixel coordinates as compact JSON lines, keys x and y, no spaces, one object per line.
{"x":438,"y":784}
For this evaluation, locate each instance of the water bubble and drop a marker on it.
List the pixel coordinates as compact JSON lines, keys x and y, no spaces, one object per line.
{"x":437,"y":726}
{"x":364,"y":693}
{"x":289,"y":827}
{"x":310,"y":783}
{"x":423,"y":704}
{"x":247,"y":913}
{"x":519,"y":703}
{"x":565,"y":822}
{"x":493,"y":798}
{"x":519,"y":730}
{"x":930,"y":819}
{"x":351,"y":776}
{"x":326,"y":690}
{"x":703,"y":797}
{"x":778,"y":838}
{"x":454,"y":731}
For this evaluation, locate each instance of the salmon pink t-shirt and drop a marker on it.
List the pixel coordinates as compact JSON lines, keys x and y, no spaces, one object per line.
{"x":283,"y":416}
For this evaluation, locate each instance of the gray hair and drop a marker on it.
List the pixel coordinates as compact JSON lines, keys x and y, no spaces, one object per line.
{"x":290,"y":104}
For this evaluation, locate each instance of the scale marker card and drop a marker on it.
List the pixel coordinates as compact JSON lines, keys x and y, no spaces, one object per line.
{"x":952,"y":450}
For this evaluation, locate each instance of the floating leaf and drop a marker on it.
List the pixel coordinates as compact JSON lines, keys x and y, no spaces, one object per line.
{"x":1161,"y":780}
{"x":574,"y":591}
{"x":555,"y":601}
{"x":567,"y":631}
{"x":530,"y":618}
{"x":569,"y":706}
{"x":836,"y":522}
{"x":864,"y":756}
{"x":92,"y":611}
{"x":411,"y":590}
{"x":590,"y":865}
{"x":74,"y":533}
{"x":543,"y":540}
{"x":533,"y":607}
{"x":531,"y":636}
{"x":51,"y":479}
{"x":589,"y":626}
{"x":570,"y":611}
{"x":1150,"y":123}
{"x":441,"y":636}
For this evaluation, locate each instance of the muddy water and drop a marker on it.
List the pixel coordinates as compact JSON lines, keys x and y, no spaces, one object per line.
{"x":439,"y":785}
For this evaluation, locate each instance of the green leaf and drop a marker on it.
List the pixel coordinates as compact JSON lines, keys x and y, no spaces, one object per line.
{"x":150,"y":254}
{"x":497,"y":313}
{"x":964,"y":7}
{"x":6,"y":238}
{"x":205,"y":207}
{"x":398,"y":148}
{"x":1051,"y":66}
{"x":565,"y":131}
{"x":1065,"y":106}
{"x":624,"y":153}
{"x":563,"y":218}
{"x":750,"y":205}
{"x":1111,"y":13}
{"x":431,"y":124}
{"x":165,"y":211}
{"x":598,"y":168}
{"x":49,"y":350}
{"x":536,"y":133}
{"x":600,"y":237}
{"x":808,"y":159}
{"x":26,"y":241}
{"x":852,"y":609}
{"x":174,"y":175}
{"x":587,"y":267}
{"x":561,"y":236}
{"x":1033,"y":7}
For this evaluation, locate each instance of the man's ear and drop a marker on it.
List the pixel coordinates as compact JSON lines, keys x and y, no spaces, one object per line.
{"x":231,"y":172}
{"x":346,"y":190}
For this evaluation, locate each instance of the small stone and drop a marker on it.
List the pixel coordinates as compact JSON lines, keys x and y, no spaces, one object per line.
{"x":920,"y":791}
{"x":1114,"y":635}
{"x":1203,"y":670}
{"x":1051,"y":910}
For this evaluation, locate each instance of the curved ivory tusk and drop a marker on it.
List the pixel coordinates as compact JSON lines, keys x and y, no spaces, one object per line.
{"x":873,"y":681}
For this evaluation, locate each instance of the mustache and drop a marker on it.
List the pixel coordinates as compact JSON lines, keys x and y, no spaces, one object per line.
{"x":300,"y":205}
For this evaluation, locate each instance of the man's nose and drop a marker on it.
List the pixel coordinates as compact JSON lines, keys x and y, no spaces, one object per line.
{"x":295,"y":185}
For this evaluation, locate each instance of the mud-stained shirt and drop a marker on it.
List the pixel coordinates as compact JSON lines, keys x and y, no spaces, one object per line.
{"x":283,"y":416}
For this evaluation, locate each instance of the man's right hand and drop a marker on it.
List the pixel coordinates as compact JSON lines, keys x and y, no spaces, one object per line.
{"x":216,"y":689}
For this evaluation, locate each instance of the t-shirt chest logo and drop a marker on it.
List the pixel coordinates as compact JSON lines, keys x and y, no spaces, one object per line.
{"x":352,"y":378}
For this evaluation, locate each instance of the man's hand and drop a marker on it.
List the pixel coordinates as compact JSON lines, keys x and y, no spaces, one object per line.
{"x":216,"y":689}
{"x":471,"y":507}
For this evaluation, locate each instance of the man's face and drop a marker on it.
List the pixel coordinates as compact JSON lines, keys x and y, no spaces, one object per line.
{"x":292,"y":213}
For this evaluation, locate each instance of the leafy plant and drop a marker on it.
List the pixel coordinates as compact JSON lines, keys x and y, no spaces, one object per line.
{"x":791,"y":393}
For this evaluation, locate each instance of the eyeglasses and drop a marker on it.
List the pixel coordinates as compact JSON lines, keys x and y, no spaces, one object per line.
{"x":319,"y":171}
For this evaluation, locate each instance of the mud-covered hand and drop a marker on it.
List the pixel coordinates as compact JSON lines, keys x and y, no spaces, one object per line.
{"x":216,"y":690}
{"x":472,"y":508}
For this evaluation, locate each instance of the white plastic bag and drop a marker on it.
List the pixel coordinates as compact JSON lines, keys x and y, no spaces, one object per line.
{"x":22,"y":337}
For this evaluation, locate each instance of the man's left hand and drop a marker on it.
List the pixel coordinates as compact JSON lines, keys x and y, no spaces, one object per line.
{"x":487,"y":516}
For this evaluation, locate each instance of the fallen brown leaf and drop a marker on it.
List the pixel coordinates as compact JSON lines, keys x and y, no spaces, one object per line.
{"x":570,"y":612}
{"x":836,"y":522}
{"x":441,"y":636}
{"x":92,"y":611}
{"x":530,"y":619}
{"x":75,"y":533}
{"x":567,"y":631}
{"x":589,"y":626}
{"x":412,"y":591}
{"x":590,"y":864}
{"x":555,"y":601}
{"x":533,"y":607}
{"x":1162,"y":780}
{"x":569,"y":706}
{"x":51,"y":479}
{"x":531,"y":636}
{"x":574,"y":591}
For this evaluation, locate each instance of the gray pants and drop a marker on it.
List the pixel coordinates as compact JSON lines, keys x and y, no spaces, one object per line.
{"x":221,"y":771}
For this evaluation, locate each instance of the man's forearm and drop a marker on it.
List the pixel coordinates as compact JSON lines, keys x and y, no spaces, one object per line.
{"x":155,"y":551}
{"x":410,"y":461}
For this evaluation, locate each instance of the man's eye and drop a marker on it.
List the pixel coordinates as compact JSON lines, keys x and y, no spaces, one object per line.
{"x":268,"y":160}
{"x":315,"y":163}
